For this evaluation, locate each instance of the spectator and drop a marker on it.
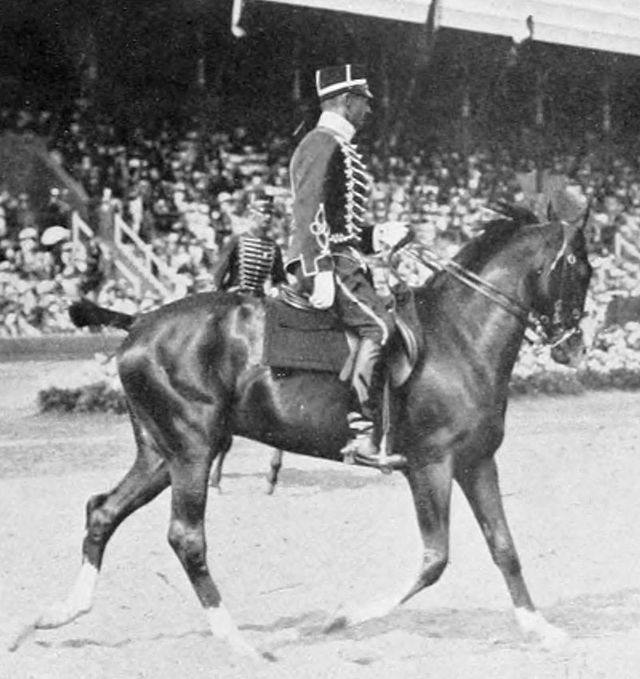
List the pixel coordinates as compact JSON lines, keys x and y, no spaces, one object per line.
{"x":57,"y":211}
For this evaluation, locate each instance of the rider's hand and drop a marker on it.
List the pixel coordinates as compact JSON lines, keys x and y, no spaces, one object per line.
{"x":324,"y":290}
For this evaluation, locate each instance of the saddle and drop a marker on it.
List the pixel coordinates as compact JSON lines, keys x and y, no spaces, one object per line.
{"x":297,"y":336}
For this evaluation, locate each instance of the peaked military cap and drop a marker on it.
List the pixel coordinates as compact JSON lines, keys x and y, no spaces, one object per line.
{"x":335,"y":80}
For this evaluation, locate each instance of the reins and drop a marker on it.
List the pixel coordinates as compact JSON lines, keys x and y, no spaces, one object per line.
{"x":531,"y":320}
{"x":473,"y":281}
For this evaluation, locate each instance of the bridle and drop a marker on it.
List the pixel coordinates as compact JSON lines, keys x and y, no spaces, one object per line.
{"x":552,"y":331}
{"x":556,"y":332}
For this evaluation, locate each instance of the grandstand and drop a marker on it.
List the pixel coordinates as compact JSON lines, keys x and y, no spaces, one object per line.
{"x":471,"y":95}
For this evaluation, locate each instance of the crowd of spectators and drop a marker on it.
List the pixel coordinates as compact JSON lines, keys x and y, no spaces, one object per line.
{"x":183,"y":189}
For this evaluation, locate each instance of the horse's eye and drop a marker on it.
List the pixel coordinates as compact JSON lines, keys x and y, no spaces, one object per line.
{"x":571,"y":259}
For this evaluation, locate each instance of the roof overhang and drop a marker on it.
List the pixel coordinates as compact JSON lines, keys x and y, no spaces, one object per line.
{"x":414,"y":11}
{"x":607,"y":25}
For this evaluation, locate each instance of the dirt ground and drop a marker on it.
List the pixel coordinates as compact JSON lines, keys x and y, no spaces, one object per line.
{"x":330,"y":535}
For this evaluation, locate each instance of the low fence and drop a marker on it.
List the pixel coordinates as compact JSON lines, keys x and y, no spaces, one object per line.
{"x":58,"y":347}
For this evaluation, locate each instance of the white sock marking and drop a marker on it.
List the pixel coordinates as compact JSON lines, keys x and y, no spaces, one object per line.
{"x":78,"y":602}
{"x":533,"y":623}
{"x":223,"y":627}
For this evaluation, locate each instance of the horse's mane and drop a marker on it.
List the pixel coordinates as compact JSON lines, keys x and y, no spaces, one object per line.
{"x":495,"y":234}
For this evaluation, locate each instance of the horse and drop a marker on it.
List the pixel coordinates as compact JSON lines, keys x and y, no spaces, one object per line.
{"x":275,"y":465}
{"x":194,"y":376}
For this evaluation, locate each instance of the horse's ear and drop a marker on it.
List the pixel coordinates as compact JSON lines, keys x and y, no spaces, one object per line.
{"x":570,"y":207}
{"x":587,"y":213}
{"x":570,"y":229}
{"x":579,"y":224}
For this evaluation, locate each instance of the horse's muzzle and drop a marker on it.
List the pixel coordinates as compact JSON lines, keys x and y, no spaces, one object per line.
{"x":569,"y":350}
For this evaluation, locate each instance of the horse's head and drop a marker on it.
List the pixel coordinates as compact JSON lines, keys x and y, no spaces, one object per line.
{"x":561,"y":281}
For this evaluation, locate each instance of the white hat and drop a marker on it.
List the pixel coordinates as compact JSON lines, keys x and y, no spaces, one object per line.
{"x":28,"y":233}
{"x":54,"y":235}
{"x":335,"y":80}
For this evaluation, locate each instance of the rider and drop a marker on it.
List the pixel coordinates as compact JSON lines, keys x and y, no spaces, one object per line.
{"x":251,"y":259}
{"x":329,"y":236}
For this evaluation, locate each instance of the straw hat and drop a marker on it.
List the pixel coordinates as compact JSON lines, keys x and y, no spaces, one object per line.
{"x":54,"y":235}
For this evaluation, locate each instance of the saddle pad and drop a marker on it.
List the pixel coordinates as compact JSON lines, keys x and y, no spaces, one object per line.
{"x":303,"y":338}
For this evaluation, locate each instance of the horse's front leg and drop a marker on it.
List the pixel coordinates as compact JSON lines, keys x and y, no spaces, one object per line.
{"x":431,"y":489}
{"x":481,"y":487}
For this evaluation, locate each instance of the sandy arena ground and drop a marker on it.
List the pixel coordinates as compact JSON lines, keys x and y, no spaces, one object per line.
{"x":331,"y":535}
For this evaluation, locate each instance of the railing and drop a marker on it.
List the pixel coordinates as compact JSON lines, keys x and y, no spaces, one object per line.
{"x":147,"y":260}
{"x":78,"y":227}
{"x":135,"y":261}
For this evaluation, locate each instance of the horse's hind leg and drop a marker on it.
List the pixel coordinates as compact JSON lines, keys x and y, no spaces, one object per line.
{"x":216,"y":474}
{"x":187,"y":537}
{"x":274,"y":469}
{"x":481,"y":487}
{"x":147,"y":477}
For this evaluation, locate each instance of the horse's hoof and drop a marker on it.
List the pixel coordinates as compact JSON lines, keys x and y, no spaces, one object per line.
{"x":536,"y":628}
{"x":338,"y":624}
{"x":554,"y":638}
{"x":58,"y":615}
{"x":244,"y":649}
{"x":18,"y":635}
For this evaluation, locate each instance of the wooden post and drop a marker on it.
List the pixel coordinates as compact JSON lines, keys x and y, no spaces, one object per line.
{"x":606,"y":109}
{"x":385,"y":100}
{"x":296,"y":60}
{"x":539,"y":117}
{"x":465,"y":106}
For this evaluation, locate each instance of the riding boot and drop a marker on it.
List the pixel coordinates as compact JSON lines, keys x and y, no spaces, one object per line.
{"x":365,"y":376}
{"x":362,"y":446}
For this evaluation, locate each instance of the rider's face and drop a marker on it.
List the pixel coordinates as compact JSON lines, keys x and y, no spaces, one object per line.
{"x":357,"y":108}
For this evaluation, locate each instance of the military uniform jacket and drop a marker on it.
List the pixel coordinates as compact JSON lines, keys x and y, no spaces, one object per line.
{"x":247,"y":262}
{"x":331,"y":188}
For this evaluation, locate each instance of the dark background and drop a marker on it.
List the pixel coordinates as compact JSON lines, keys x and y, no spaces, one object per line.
{"x":141,"y":62}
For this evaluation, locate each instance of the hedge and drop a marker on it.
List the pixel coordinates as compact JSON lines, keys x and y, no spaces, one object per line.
{"x":612,"y":362}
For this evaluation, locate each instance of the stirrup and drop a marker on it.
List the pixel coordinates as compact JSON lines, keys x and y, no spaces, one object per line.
{"x":361,"y":450}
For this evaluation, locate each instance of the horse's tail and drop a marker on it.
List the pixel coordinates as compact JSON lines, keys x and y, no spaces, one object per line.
{"x":85,"y":313}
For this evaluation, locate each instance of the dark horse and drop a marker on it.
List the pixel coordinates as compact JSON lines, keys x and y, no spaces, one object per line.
{"x":193,"y":375}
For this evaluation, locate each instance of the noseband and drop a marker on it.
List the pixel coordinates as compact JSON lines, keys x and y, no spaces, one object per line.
{"x":552,"y":331}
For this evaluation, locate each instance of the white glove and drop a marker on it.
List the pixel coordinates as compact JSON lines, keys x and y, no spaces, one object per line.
{"x":324,"y":290}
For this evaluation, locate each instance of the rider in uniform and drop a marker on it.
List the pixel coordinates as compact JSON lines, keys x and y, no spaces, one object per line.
{"x":251,"y":259}
{"x":329,"y":237}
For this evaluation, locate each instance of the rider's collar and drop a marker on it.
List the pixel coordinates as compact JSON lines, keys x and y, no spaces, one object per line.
{"x":336,"y":123}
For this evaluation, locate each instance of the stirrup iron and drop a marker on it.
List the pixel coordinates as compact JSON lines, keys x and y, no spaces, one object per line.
{"x":361,"y":449}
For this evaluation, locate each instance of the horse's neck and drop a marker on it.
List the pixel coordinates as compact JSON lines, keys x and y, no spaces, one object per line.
{"x":476,"y":326}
